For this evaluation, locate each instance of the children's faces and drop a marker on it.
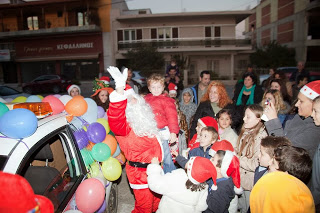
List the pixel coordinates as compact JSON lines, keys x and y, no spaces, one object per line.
{"x":74,"y":92}
{"x":224,"y":121}
{"x":316,"y":113}
{"x":206,"y":138}
{"x":199,"y":128}
{"x":250,"y":119}
{"x":264,"y":158}
{"x":156,"y":88}
{"x":103,"y":96}
{"x":186,"y":97}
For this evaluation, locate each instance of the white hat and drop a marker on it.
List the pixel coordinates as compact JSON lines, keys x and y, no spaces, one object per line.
{"x":311,"y":90}
{"x":70,"y":87}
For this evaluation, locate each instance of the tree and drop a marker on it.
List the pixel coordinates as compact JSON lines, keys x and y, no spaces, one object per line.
{"x":273,"y":55}
{"x":145,"y":58}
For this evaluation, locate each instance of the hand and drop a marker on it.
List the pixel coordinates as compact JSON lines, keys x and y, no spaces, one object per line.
{"x":155,"y":160}
{"x":167,"y":80}
{"x":120,"y":79}
{"x":173,"y":137}
{"x":270,"y":111}
{"x":174,"y":153}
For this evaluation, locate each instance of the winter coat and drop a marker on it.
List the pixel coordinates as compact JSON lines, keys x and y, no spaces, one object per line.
{"x":199,"y":151}
{"x":230,"y":135}
{"x":315,"y":179}
{"x":188,"y":109}
{"x":258,"y":94}
{"x":176,"y":197}
{"x":165,"y":111}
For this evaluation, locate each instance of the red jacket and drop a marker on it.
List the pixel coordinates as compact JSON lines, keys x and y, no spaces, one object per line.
{"x":135,"y":148}
{"x":165,"y":111}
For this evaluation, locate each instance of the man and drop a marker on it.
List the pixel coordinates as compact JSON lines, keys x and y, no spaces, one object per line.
{"x":201,"y":88}
{"x":301,"y":130}
{"x":133,"y":84}
{"x":134,"y":125}
{"x":175,"y":79}
{"x":300,"y":71}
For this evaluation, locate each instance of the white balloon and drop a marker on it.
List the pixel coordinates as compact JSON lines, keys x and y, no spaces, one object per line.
{"x":92,"y":112}
{"x":8,"y":100}
{"x":65,"y":99}
{"x":2,"y":100}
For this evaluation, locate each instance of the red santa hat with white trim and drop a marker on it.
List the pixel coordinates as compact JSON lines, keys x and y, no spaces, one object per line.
{"x":172,"y":88}
{"x":230,"y":167}
{"x":209,"y":121}
{"x":128,"y":91}
{"x":311,"y":90}
{"x":105,"y":79}
{"x":200,"y":169}
{"x":220,"y":145}
{"x":70,"y":87}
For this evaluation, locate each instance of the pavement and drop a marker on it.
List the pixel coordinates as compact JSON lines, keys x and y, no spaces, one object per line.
{"x":125,"y":195}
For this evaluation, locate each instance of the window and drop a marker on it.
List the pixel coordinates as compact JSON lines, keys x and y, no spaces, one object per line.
{"x":129,"y":35}
{"x":164,"y":34}
{"x":213,"y":65}
{"x":33,"y":23}
{"x":212,"y":32}
{"x":82,"y":18}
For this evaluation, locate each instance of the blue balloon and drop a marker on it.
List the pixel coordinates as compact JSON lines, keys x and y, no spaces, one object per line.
{"x":92,"y":112}
{"x":117,"y":152}
{"x":81,"y":138}
{"x":18,"y":123}
{"x":96,"y":132}
{"x":33,"y":99}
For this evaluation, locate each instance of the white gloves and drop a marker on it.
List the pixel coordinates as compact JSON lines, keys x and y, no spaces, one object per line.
{"x":120,"y":79}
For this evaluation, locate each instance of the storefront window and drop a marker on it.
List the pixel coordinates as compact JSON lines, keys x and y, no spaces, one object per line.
{"x":33,"y":23}
{"x":80,"y":70}
{"x":32,"y":70}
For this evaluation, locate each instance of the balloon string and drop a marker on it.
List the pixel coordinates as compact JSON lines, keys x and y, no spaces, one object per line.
{"x":83,"y":121}
{"x":19,"y":141}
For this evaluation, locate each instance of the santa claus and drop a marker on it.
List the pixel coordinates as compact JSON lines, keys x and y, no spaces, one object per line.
{"x":132,"y":121}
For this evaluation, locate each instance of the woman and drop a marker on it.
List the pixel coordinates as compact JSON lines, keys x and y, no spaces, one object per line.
{"x":211,"y":103}
{"x":282,"y":76}
{"x":279,"y":85}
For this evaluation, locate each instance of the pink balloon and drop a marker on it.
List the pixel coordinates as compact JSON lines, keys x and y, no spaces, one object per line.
{"x":56,"y":105}
{"x":90,"y":195}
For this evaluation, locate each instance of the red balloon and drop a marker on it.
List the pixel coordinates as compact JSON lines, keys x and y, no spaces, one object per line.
{"x":56,"y":105}
{"x":90,"y":195}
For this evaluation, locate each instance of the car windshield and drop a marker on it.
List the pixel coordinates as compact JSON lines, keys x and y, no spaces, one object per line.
{"x":4,"y":91}
{"x":3,"y":160}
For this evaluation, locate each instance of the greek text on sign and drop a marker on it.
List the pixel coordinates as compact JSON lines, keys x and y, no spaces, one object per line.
{"x":74,"y":46}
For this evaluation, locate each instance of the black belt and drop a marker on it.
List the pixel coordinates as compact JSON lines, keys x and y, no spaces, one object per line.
{"x":138,"y":164}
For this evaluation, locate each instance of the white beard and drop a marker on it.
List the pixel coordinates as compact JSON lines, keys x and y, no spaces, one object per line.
{"x":141,"y":118}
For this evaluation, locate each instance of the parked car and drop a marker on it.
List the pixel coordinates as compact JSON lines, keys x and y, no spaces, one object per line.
{"x":46,"y":83}
{"x":9,"y":92}
{"x":51,"y":162}
{"x":136,"y":76}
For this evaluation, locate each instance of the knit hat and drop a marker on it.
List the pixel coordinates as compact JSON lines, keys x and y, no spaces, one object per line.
{"x":311,"y":90}
{"x":172,"y":88}
{"x":220,"y":145}
{"x":101,"y":84}
{"x":200,"y":169}
{"x":70,"y":87}
{"x":17,"y":196}
{"x":230,"y":167}
{"x":280,"y":192}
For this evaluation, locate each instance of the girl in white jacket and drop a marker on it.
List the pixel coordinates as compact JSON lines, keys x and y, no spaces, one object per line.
{"x":182,"y":191}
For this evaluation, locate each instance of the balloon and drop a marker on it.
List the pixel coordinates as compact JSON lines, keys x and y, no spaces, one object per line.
{"x":77,"y":106}
{"x":91,"y":114}
{"x":3,"y":108}
{"x":20,"y":99}
{"x":65,"y":99}
{"x":102,"y":207}
{"x":111,"y":133}
{"x":57,"y":95}
{"x":2,"y":100}
{"x":56,"y":105}
{"x":111,"y":169}
{"x":90,"y":195}
{"x":33,"y":99}
{"x":100,"y":152}
{"x":104,"y":123}
{"x":96,"y":132}
{"x":8,"y":100}
{"x":73,"y":211}
{"x":90,"y":145}
{"x":40,"y":96}
{"x":81,"y":138}
{"x":111,"y":142}
{"x":86,"y":156}
{"x":117,"y":152}
{"x":18,"y":123}
{"x":121,"y":158}
{"x":94,"y":169}
{"x":101,"y":112}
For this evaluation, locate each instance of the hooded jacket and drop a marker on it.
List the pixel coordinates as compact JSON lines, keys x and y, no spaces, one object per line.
{"x":188,"y":109}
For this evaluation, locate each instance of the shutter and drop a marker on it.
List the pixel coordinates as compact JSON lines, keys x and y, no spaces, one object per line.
{"x":207,"y":31}
{"x":120,"y":35}
{"x":139,"y":34}
{"x":175,"y":32}
{"x":153,"y":33}
{"x":217,"y":32}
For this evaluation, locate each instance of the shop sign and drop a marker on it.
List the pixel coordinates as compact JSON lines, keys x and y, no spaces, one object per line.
{"x":5,"y":55}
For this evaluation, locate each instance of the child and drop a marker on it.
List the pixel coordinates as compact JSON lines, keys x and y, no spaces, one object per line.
{"x":166,"y":116}
{"x":183,"y":132}
{"x":202,"y":122}
{"x":172,"y":88}
{"x":248,"y":149}
{"x":187,"y":106}
{"x":182,"y":192}
{"x":224,"y":118}
{"x":172,"y":65}
{"x":73,"y":90}
{"x":102,"y":91}
{"x":227,"y":165}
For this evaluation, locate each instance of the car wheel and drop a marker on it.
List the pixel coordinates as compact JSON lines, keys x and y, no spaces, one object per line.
{"x":27,"y":90}
{"x":56,"y":89}
{"x":113,"y":199}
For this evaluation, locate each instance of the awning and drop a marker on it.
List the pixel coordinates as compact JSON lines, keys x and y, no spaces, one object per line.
{"x":58,"y":57}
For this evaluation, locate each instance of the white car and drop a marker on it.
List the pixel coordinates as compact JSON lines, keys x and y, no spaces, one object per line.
{"x":51,"y":162}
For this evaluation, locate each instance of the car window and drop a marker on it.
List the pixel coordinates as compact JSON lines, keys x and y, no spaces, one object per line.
{"x":54,"y":168}
{"x":4,"y":91}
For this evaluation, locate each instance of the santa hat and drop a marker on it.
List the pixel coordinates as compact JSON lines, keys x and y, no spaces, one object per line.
{"x":17,"y":196}
{"x":200,"y":169}
{"x":129,"y":91}
{"x":220,"y":145}
{"x":172,"y":88}
{"x":311,"y":90}
{"x":70,"y":87}
{"x":230,"y":167}
{"x":105,"y":79}
{"x":209,"y":121}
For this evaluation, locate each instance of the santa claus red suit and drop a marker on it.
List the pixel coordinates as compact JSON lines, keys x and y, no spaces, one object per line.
{"x":139,"y":145}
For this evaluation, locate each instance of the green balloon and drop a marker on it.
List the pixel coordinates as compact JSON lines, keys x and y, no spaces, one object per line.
{"x":86,"y":156}
{"x":3,"y":109}
{"x":100,"y":152}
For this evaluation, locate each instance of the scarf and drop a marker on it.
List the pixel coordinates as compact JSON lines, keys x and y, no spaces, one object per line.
{"x":251,"y":97}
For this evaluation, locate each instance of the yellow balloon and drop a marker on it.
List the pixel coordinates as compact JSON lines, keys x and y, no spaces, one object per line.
{"x":84,"y":128}
{"x":94,"y":169}
{"x":111,"y":169}
{"x":104,"y":123}
{"x":40,"y":96}
{"x":20,"y":99}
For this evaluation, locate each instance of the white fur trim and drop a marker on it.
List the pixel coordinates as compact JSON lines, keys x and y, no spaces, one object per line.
{"x":226,"y":163}
{"x":214,"y":187}
{"x":116,"y":97}
{"x":201,"y":122}
{"x":74,"y":86}
{"x":160,"y":143}
{"x":129,"y":92}
{"x":238,"y":191}
{"x":139,"y":186}
{"x":212,"y":152}
{"x":308,"y":92}
{"x":173,"y":91}
{"x":189,"y":169}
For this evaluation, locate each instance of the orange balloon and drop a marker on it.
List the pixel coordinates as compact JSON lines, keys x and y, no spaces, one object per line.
{"x":111,"y":142}
{"x":121,"y":158}
{"x":90,"y":145}
{"x":77,"y":106}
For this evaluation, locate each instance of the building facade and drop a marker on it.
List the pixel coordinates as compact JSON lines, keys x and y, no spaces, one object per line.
{"x":294,"y":23}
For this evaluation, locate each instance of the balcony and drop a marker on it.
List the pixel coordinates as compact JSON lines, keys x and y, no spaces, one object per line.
{"x":188,"y":44}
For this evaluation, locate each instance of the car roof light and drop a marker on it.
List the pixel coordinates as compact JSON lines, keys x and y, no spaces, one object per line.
{"x":40,"y":109}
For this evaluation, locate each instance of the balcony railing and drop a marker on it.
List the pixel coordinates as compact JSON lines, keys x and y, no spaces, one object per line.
{"x":185,"y":43}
